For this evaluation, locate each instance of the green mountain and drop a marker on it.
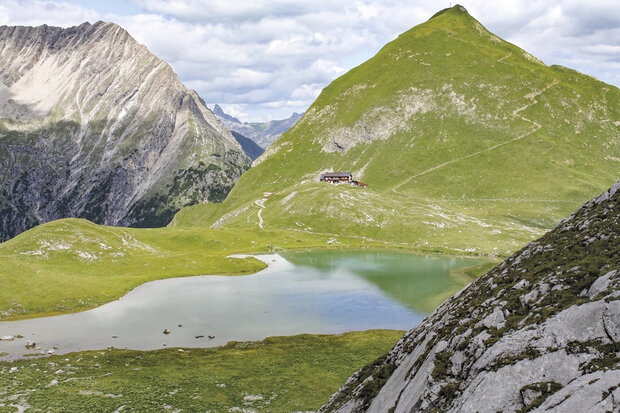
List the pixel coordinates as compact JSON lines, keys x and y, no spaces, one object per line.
{"x":466,"y":143}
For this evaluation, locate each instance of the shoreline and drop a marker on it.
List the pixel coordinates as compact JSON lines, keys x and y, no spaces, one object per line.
{"x":199,"y":306}
{"x":273,"y":260}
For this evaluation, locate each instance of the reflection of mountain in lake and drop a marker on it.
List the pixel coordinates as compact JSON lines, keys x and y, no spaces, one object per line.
{"x":417,"y":281}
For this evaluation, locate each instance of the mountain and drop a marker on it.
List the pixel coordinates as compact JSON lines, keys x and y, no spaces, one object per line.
{"x":467,"y":143}
{"x":251,"y":148}
{"x":539,"y":332}
{"x":93,"y":125}
{"x":263,"y":133}
{"x":219,"y":112}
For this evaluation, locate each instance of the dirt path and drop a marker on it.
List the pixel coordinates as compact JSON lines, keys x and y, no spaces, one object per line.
{"x":505,"y":57}
{"x":261,"y":204}
{"x":536,"y":127}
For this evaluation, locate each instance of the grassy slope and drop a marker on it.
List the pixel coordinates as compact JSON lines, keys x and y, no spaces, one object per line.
{"x":72,"y":264}
{"x":296,"y":373}
{"x":515,"y":145}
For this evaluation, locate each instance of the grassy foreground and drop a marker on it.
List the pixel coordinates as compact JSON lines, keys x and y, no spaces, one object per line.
{"x":73,"y":264}
{"x":279,"y":374}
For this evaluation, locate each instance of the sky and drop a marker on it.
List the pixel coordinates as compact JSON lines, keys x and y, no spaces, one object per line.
{"x":265,"y":59}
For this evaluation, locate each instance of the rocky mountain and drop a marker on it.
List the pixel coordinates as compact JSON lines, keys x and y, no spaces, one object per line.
{"x":93,"y":125}
{"x":467,"y":144}
{"x":251,"y":148}
{"x":263,"y":133}
{"x":540,"y":332}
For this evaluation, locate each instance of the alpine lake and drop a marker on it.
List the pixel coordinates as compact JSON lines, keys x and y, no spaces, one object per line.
{"x":315,"y":292}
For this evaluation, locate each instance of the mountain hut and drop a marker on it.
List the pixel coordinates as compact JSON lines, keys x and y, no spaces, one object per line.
{"x":335,"y":177}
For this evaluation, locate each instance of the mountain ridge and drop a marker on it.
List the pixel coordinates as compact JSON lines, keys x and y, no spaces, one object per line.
{"x":263,"y":133}
{"x":93,"y":125}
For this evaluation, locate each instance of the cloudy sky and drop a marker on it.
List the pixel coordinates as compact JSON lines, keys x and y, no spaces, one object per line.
{"x":264,"y":59}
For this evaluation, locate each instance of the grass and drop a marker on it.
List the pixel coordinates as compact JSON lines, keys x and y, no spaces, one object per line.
{"x":420,"y":223}
{"x":471,"y":273}
{"x":72,"y":264}
{"x":467,"y":143}
{"x":279,"y":374}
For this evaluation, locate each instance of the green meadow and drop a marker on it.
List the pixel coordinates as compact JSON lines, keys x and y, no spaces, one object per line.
{"x":73,"y":265}
{"x":278,"y":374}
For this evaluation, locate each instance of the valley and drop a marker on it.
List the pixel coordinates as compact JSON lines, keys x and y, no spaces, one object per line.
{"x":487,"y":229}
{"x":323,"y":292}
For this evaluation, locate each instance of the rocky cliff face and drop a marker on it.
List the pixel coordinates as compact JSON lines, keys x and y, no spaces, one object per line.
{"x":93,"y":125}
{"x":263,"y":133}
{"x":537,"y":333}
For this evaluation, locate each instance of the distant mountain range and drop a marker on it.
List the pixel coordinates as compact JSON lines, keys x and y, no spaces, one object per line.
{"x":263,"y":133}
{"x":93,"y":125}
{"x":467,"y":144}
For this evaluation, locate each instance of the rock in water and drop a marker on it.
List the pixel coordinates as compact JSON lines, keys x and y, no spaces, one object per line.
{"x":95,"y":126}
{"x":540,"y":331}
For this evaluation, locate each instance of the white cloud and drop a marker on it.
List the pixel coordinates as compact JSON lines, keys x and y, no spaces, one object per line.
{"x":268,"y":58}
{"x":35,"y":13}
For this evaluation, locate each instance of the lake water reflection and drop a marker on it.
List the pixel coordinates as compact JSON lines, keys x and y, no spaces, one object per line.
{"x":311,"y":292}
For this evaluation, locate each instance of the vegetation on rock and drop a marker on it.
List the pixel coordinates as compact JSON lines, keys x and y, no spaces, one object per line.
{"x":539,"y":330}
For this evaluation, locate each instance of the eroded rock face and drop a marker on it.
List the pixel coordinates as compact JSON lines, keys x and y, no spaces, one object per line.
{"x":539,"y":332}
{"x":93,"y":125}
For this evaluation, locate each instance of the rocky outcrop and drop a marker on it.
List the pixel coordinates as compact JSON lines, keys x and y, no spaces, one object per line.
{"x":263,"y":133}
{"x":93,"y":125}
{"x":539,"y":332}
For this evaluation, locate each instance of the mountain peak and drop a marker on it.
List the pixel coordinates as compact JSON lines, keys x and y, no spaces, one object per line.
{"x":218,"y":111}
{"x":127,"y":106}
{"x":457,"y":9}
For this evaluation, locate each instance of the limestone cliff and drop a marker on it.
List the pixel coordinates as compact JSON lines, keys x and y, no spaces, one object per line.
{"x":539,"y":332}
{"x":93,"y":125}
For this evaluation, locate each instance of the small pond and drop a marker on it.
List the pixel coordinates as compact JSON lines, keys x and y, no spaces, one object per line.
{"x":306,"y":292}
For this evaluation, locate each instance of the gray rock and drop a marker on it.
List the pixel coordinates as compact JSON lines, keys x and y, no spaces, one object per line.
{"x":495,"y":319}
{"x":603,"y":283}
{"x":586,"y":394}
{"x":521,"y":284}
{"x":557,"y":354}
{"x":104,"y":130}
{"x":529,"y":395}
{"x":611,"y":320}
